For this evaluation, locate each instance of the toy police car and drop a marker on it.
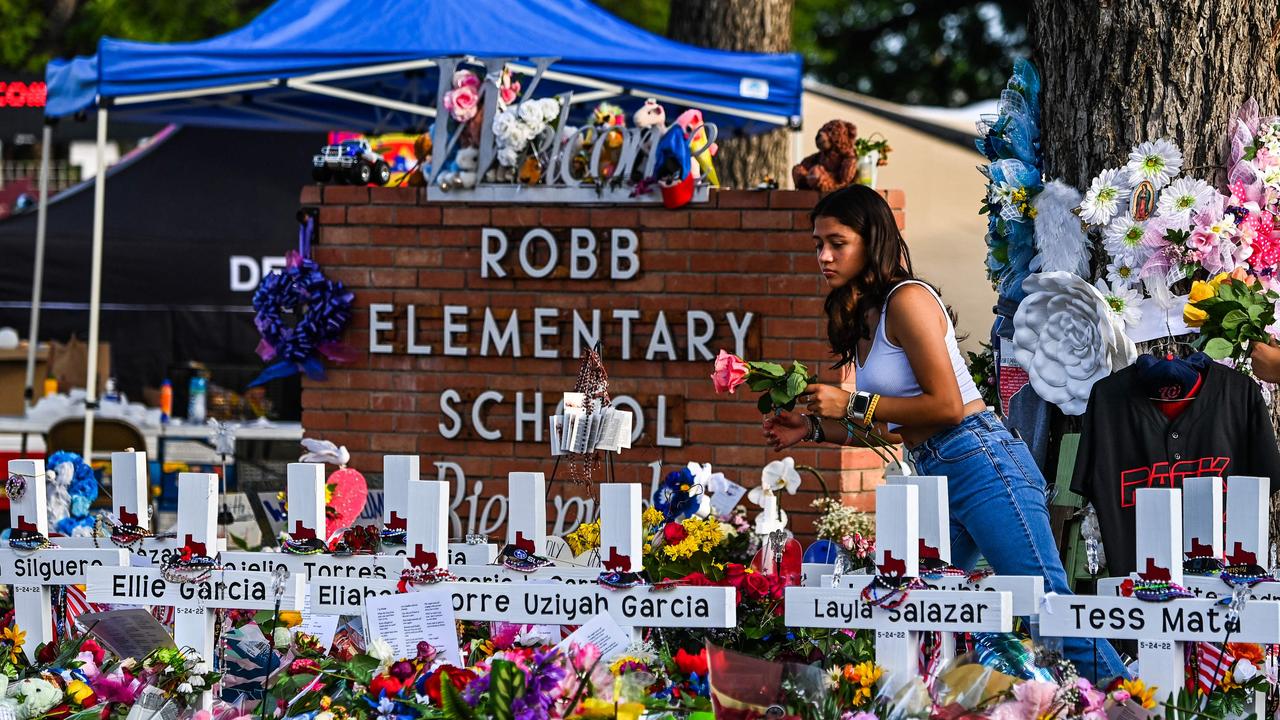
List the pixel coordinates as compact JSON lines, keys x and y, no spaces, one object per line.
{"x":350,"y":161}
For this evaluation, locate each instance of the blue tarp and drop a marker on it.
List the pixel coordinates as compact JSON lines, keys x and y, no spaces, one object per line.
{"x":296,"y":38}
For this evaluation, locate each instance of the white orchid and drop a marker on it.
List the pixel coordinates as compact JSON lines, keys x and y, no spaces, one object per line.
{"x":776,"y":477}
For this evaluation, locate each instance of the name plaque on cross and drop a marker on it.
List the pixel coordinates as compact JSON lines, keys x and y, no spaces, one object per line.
{"x":550,"y":604}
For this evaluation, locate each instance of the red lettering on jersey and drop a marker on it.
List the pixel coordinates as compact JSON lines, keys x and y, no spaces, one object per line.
{"x":1166,"y":475}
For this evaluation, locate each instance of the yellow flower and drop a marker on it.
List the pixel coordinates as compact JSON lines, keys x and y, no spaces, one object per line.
{"x":1200,"y":290}
{"x":17,"y":637}
{"x":585,"y":537}
{"x":291,"y":618}
{"x":651,"y":516}
{"x":1139,"y":692}
{"x":624,"y":662}
{"x":595,"y":708}
{"x":79,"y":691}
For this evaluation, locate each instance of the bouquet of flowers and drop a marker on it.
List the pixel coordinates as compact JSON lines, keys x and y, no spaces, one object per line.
{"x":1230,"y":310}
{"x":778,"y":387}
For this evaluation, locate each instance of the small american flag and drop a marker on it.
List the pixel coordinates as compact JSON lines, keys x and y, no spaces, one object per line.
{"x":1215,"y":661}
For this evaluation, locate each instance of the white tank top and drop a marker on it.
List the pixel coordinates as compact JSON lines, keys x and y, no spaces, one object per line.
{"x":887,"y":372}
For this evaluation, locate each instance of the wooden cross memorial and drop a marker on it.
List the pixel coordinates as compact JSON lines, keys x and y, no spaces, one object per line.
{"x":397,"y":471}
{"x":1161,"y":628}
{"x":897,"y":626}
{"x":935,"y":550}
{"x":194,"y":598}
{"x":487,"y":597}
{"x":306,"y":523}
{"x":33,"y":572}
{"x":131,"y":504}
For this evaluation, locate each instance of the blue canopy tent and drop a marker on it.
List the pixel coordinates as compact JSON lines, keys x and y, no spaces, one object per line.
{"x":370,"y":65}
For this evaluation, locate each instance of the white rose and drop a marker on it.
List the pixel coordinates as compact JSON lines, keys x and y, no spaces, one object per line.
{"x":1066,"y":339}
{"x":550,"y":108}
{"x":281,"y":637}
{"x":530,"y":112}
{"x":381,"y":650}
{"x":508,"y":156}
{"x":1244,"y":671}
{"x":503,"y":123}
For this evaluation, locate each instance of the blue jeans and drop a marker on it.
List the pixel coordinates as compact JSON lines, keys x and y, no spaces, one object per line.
{"x":999,"y":509}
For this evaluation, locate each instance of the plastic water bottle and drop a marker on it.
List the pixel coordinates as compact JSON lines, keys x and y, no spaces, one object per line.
{"x":166,"y":400}
{"x":196,"y":401}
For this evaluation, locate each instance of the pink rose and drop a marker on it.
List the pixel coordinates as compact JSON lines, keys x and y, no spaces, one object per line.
{"x":1121,"y":696}
{"x":730,"y":372}
{"x":465,"y":78}
{"x":462,"y":103}
{"x":1202,"y":240}
{"x":509,"y":92}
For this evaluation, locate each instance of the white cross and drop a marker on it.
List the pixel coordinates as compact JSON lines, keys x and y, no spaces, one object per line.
{"x":397,"y":471}
{"x":131,"y":503}
{"x":898,"y":553}
{"x":567,"y":599}
{"x":197,"y":530}
{"x":33,"y":572}
{"x":306,"y":521}
{"x":1162,"y":628}
{"x":935,"y":543}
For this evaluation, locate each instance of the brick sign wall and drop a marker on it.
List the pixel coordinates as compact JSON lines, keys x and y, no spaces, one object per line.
{"x":451,"y":376}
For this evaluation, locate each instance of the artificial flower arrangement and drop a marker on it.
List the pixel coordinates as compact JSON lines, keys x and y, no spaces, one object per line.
{"x":1010,"y":140}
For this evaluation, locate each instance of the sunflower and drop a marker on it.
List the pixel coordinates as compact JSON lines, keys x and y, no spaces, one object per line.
{"x":16,"y":637}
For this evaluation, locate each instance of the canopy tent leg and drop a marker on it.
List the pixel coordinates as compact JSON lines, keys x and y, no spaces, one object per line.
{"x":37,"y":274}
{"x":95,"y":284}
{"x":797,"y":148}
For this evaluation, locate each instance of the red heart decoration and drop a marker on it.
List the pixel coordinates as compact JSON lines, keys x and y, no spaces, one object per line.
{"x":349,"y":494}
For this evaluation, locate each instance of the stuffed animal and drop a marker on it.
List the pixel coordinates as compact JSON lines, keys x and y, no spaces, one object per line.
{"x":836,"y":162}
{"x":696,"y":134}
{"x":651,"y":114}
{"x":462,"y":172}
{"x":422,"y":152}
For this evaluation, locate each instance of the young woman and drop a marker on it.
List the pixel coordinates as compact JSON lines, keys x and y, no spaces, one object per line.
{"x":913,"y":387}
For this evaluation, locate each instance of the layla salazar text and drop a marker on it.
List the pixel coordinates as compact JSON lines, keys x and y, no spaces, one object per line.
{"x":552,"y":333}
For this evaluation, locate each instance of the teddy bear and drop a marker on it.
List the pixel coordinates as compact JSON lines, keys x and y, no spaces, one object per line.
{"x":422,"y":152}
{"x":835,"y":164}
{"x":465,"y":175}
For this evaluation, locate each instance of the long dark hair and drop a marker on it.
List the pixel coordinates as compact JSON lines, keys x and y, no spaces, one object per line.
{"x":888,"y":264}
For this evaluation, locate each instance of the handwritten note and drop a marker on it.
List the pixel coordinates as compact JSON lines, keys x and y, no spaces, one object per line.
{"x":405,"y":620}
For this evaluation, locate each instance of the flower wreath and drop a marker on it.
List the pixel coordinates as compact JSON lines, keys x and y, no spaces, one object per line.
{"x":323,"y":307}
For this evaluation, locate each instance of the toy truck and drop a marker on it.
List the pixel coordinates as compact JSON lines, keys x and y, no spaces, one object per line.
{"x":350,"y":161}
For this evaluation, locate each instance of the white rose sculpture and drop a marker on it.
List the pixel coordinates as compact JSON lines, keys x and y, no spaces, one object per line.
{"x":1067,"y":339}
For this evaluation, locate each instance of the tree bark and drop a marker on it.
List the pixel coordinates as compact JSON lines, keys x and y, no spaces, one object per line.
{"x":745,"y":26}
{"x":1118,"y":72}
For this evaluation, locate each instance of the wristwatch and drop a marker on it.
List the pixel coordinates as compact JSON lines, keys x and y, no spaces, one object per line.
{"x":859,"y":405}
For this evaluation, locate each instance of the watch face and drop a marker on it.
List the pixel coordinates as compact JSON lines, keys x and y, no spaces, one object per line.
{"x":861,"y":403}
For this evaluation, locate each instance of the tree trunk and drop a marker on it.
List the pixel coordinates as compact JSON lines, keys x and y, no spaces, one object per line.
{"x":1118,"y":72}
{"x":745,"y":26}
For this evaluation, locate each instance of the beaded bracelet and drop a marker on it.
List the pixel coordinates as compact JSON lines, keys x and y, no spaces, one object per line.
{"x":305,"y":546}
{"x":393,"y":537}
{"x":29,"y":540}
{"x":412,"y":576}
{"x":189,"y":569}
{"x":620,"y":580}
{"x":521,"y":560}
{"x":816,"y":433}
